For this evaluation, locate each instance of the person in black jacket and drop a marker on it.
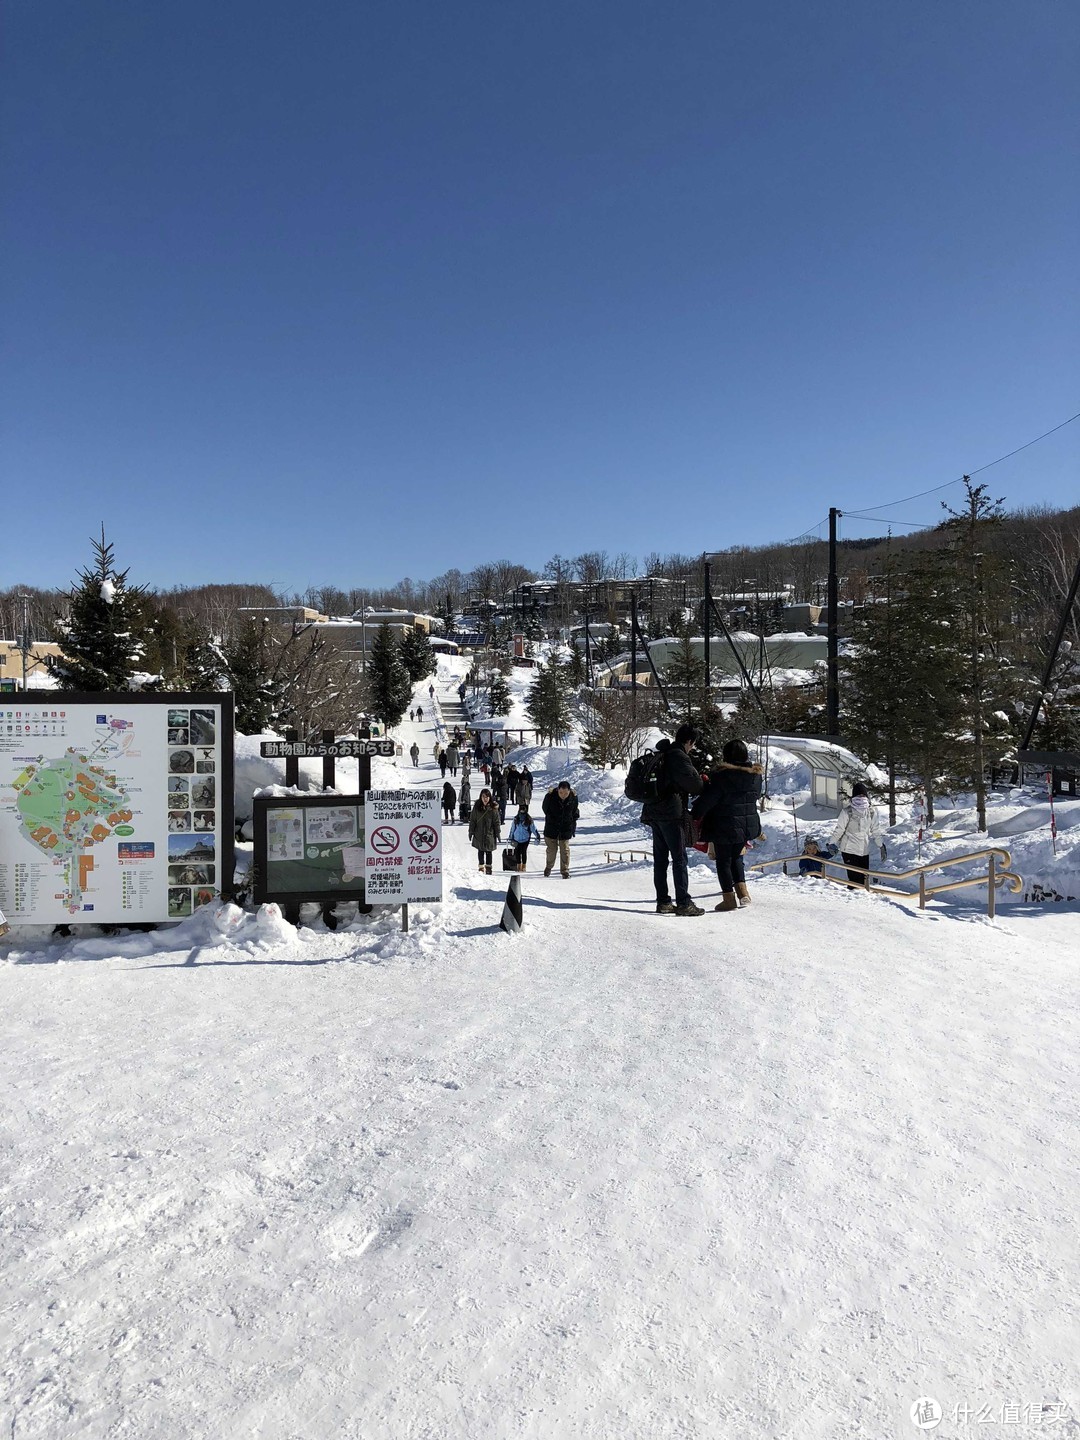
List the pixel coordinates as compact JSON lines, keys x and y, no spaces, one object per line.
{"x":729,"y":817}
{"x":560,"y":826}
{"x":667,"y":816}
{"x":449,"y":801}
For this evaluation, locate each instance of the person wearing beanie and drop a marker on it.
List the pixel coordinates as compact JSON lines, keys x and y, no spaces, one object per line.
{"x":857,"y":828}
{"x":667,"y":816}
{"x":728,"y":815}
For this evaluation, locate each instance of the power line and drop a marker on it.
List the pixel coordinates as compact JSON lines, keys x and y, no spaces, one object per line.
{"x":887,"y":520}
{"x":934,"y":489}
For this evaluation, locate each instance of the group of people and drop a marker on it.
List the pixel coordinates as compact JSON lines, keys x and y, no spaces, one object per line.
{"x":560,"y":807}
{"x":718,"y":806}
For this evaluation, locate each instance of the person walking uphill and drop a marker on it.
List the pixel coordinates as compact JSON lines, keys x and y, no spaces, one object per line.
{"x":560,"y":826}
{"x":858,"y":827}
{"x":484,"y":830}
{"x":414,"y":754}
{"x":727,"y":810}
{"x":667,"y":816}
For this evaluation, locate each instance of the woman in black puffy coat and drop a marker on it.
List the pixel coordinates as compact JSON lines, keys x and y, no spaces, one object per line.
{"x":728,"y":812}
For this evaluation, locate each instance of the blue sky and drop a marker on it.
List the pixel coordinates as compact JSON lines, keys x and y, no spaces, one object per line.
{"x":342,"y":292}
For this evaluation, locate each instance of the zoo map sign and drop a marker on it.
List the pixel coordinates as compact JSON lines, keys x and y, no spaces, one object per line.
{"x":403,"y":856}
{"x":114,"y":808}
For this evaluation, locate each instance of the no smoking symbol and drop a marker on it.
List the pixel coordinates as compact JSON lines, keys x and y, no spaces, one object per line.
{"x":423,"y":839}
{"x":384,"y":841}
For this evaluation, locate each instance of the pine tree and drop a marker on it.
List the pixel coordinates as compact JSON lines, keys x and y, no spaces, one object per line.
{"x":258,"y":693}
{"x":990,"y":685}
{"x":104,"y":638}
{"x":389,"y":688}
{"x":416,"y":654}
{"x":499,"y":697}
{"x":575,"y":669}
{"x":204,"y":663}
{"x":548,"y":703}
{"x":684,"y":676}
{"x":902,"y":677}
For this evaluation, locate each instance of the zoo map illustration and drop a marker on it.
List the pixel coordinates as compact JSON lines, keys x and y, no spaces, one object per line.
{"x":69,"y":804}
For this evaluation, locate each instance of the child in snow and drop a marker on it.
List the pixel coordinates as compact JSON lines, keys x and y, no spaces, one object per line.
{"x":522,"y":831}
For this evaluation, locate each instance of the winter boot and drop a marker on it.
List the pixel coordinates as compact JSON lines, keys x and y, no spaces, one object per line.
{"x":728,"y":902}
{"x":742,"y":892}
{"x":487,"y":869}
{"x":665,"y":907}
{"x":689,"y":908}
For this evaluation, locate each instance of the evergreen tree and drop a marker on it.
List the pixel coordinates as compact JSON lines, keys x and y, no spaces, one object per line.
{"x":990,"y":685}
{"x":548,"y":702}
{"x":103,"y":640}
{"x":204,"y":663}
{"x":250,"y":668}
{"x":417,"y":654}
{"x":575,"y":668}
{"x":684,"y":676}
{"x":389,"y":689}
{"x":499,"y":697}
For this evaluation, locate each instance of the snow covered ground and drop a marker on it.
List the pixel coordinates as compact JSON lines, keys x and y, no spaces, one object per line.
{"x":777,"y":1173}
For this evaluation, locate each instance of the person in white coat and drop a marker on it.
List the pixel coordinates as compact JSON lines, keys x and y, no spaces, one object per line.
{"x":856,"y":830}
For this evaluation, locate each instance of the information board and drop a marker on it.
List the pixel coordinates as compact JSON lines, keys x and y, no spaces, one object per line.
{"x":114,"y":808}
{"x":308,"y":847}
{"x":403,"y":862}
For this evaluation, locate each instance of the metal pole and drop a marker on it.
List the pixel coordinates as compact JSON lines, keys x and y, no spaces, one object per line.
{"x":832,"y":684}
{"x":707,"y":627}
{"x":633,"y":656}
{"x":24,"y":638}
{"x":990,"y":888}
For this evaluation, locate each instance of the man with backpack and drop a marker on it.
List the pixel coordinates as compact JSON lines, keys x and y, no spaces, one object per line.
{"x":669,"y":782}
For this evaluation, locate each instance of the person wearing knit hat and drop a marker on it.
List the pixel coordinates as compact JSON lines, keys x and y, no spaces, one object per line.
{"x":857,"y":828}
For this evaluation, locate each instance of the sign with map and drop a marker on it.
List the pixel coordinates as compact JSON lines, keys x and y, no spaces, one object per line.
{"x":114,"y":809}
{"x":308,"y":847}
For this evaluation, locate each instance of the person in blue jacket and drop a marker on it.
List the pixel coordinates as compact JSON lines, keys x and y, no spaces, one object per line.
{"x":522,"y":831}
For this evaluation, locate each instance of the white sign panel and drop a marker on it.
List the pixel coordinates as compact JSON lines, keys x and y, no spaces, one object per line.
{"x":112,"y":811}
{"x":403,"y":855}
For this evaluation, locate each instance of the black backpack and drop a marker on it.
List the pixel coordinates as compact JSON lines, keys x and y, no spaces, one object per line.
{"x":644,"y":779}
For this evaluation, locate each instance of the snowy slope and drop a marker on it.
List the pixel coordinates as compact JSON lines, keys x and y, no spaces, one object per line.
{"x":771,"y":1174}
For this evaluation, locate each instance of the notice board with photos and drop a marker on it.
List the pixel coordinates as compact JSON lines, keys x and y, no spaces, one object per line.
{"x":114,"y":808}
{"x":308,"y":847}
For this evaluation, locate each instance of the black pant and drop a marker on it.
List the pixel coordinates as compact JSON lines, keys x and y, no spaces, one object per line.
{"x":485,"y":859}
{"x":448,"y":811}
{"x":730,"y":870}
{"x":521,"y":851}
{"x":857,"y":877}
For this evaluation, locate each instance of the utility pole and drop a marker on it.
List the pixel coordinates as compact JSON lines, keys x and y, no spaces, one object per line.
{"x":24,"y":636}
{"x":363,"y":632}
{"x":707,"y":627}
{"x":832,"y":682}
{"x":633,"y":656}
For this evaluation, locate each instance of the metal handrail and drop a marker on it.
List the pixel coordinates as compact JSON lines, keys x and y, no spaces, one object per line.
{"x":992,"y":879}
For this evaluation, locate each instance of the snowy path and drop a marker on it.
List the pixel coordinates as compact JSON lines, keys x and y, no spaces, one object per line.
{"x":772,"y":1174}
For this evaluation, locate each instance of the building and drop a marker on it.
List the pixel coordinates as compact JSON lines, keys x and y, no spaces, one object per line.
{"x":37,"y":670}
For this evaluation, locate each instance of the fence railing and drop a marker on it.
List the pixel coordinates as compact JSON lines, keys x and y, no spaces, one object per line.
{"x":996,"y":876}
